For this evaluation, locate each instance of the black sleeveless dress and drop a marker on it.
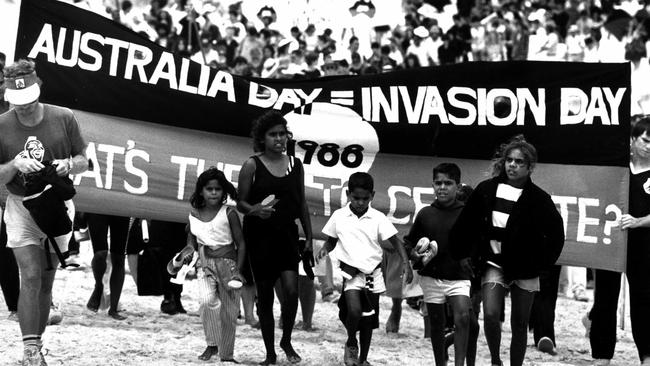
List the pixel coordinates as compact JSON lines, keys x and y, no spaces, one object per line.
{"x":272,"y":244}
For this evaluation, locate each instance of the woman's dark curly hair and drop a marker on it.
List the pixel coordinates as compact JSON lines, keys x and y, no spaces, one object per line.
{"x":197,"y":200}
{"x":264,"y":123}
{"x":497,"y":167}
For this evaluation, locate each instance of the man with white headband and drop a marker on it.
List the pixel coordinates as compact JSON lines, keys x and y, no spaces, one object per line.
{"x":32,"y":135}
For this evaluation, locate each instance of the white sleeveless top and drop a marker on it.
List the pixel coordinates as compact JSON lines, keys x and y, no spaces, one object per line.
{"x":215,"y":233}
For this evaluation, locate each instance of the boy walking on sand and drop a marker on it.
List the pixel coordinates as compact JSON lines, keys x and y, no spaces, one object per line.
{"x":359,"y":228}
{"x":442,"y":278}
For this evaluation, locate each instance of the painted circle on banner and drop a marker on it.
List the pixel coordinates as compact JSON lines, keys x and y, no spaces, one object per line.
{"x":332,"y":141}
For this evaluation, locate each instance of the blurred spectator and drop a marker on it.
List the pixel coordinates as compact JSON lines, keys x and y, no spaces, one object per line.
{"x":267,"y":16}
{"x":296,"y":64}
{"x":386,"y":60}
{"x":234,"y":22}
{"x":207,"y":53}
{"x":357,"y":65}
{"x":231,"y":45}
{"x":296,"y":34}
{"x":190,"y":32}
{"x":270,"y":63}
{"x":241,"y":67}
{"x":353,"y":47}
{"x":375,"y":56}
{"x":411,"y":61}
{"x":251,"y":46}
{"x":635,"y":52}
{"x":591,"y":50}
{"x":446,"y":53}
{"x":495,"y":47}
{"x":362,"y":11}
{"x":460,"y":37}
{"x":134,"y":19}
{"x":311,"y":39}
{"x":423,"y":50}
{"x":311,"y":70}
{"x":325,"y":42}
{"x":575,"y":46}
{"x":520,"y":40}
{"x":436,"y":41}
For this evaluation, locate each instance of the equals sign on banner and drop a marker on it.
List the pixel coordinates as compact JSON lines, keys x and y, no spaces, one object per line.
{"x":343,"y":97}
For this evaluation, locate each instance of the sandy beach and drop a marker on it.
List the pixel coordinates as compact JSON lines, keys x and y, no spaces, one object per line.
{"x":149,"y":337}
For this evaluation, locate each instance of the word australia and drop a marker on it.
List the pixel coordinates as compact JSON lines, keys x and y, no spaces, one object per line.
{"x":131,"y":61}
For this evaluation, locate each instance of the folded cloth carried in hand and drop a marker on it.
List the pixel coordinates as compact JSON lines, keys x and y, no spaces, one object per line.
{"x":45,"y":196}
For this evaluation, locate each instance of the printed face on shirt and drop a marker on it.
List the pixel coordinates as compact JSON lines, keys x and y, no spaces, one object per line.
{"x":359,"y":200}
{"x":640,"y":146}
{"x":445,"y":189}
{"x":275,"y":139}
{"x":34,"y":150}
{"x":516,"y":167}
{"x":212,"y":193}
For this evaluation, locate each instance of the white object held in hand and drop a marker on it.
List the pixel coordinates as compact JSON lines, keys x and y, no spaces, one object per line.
{"x":430,"y":253}
{"x":427,"y":248}
{"x":422,"y":245}
{"x":182,"y":273}
{"x":269,"y":201}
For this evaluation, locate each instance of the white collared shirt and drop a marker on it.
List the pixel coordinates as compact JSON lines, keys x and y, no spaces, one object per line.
{"x":359,"y":237}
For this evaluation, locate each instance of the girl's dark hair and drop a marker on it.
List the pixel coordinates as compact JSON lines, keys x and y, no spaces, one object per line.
{"x":212,"y":173}
{"x":497,"y":167}
{"x":264,"y":123}
{"x":640,"y":124}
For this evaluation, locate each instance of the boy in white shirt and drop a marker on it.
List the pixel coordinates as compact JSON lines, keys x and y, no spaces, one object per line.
{"x":359,"y":228}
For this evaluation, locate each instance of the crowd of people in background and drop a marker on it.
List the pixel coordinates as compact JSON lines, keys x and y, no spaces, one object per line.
{"x":427,"y":33}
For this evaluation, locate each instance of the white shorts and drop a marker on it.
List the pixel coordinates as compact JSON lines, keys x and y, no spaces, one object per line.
{"x":373,"y":282}
{"x":22,"y":230}
{"x":437,"y":291}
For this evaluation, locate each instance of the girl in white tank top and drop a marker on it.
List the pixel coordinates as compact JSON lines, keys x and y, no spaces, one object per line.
{"x":215,"y":231}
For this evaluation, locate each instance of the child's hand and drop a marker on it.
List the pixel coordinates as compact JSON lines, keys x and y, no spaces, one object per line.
{"x":309,"y":245}
{"x":308,"y":253}
{"x":322,"y":253}
{"x":237,"y":276}
{"x":408,"y":272}
{"x":188,"y":258}
{"x":416,"y":256}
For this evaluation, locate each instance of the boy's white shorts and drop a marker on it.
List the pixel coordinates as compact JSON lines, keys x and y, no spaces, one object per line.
{"x":374,"y":282}
{"x":437,"y":291}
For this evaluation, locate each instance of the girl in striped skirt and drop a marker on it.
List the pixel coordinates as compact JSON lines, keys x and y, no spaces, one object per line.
{"x":215,"y":230}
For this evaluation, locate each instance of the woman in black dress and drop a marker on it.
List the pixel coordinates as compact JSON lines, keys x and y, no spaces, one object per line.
{"x":272,"y":197}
